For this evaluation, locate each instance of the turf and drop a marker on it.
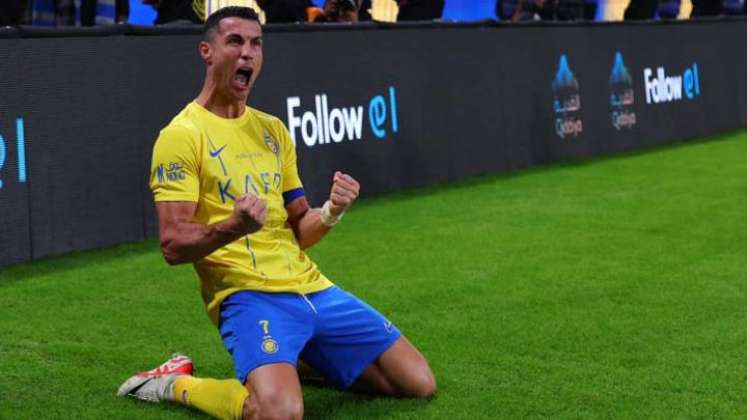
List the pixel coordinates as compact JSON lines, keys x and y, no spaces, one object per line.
{"x":608,"y":289}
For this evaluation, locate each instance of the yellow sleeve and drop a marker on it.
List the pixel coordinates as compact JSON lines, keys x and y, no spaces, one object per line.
{"x":175,"y":167}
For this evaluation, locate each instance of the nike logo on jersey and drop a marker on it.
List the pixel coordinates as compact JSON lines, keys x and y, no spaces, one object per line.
{"x":216,"y":153}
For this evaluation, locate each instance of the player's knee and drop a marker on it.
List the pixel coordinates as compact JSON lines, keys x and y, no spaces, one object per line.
{"x":422,"y":384}
{"x":280,"y":407}
{"x":250,"y":410}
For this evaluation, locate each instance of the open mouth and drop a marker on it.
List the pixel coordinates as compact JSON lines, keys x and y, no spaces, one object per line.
{"x":243,"y":76}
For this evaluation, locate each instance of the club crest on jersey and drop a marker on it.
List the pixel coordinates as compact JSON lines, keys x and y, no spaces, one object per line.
{"x":271,"y":143}
{"x":269,"y":346}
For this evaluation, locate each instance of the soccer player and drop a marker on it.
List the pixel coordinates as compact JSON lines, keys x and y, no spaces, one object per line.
{"x":229,"y":200}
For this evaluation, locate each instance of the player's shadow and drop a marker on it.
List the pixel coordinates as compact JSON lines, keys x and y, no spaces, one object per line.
{"x":322,"y":400}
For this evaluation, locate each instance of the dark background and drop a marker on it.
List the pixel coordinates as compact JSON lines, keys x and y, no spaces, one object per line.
{"x":472,"y":99}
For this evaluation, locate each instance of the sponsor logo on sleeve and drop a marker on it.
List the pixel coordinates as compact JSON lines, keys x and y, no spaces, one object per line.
{"x":170,"y":172}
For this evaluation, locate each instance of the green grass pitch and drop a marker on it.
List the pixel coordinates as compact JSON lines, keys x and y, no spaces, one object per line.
{"x":608,"y":289}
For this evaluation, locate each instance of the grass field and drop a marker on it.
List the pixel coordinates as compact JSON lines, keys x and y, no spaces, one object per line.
{"x":609,"y":289}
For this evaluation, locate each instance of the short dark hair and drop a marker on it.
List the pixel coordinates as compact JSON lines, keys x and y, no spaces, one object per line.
{"x":212,"y":22}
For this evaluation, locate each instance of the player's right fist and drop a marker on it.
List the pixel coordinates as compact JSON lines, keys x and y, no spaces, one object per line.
{"x":251,"y":212}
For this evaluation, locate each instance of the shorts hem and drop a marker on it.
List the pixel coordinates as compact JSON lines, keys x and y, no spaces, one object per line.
{"x":244,"y":377}
{"x":375,"y":355}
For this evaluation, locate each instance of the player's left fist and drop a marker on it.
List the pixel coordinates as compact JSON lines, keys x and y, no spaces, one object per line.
{"x":344,"y":192}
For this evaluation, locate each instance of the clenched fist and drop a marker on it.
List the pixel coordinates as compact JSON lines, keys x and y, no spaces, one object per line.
{"x":344,"y":192}
{"x":251,"y":212}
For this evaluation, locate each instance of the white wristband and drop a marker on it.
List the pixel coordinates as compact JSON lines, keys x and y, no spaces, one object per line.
{"x":327,"y":218}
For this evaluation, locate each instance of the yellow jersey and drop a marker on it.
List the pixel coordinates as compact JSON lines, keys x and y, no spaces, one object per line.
{"x":212,"y":161}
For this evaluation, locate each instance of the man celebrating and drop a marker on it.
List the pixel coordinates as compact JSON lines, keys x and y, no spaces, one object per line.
{"x":229,"y":200}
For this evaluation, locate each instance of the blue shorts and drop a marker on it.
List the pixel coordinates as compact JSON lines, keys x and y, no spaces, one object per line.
{"x":333,"y":331}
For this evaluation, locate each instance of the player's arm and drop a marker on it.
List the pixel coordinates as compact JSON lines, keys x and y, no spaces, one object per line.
{"x":183,"y":240}
{"x":310,"y":225}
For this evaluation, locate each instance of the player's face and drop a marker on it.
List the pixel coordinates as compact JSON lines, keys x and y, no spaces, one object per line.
{"x":236,"y":56}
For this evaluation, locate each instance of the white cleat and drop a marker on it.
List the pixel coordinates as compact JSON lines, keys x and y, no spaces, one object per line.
{"x":157,"y":385}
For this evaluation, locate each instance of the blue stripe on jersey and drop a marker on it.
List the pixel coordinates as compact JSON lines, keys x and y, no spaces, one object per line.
{"x":291,"y":195}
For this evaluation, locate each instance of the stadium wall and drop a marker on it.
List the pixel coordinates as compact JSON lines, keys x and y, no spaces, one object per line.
{"x":397,"y":106}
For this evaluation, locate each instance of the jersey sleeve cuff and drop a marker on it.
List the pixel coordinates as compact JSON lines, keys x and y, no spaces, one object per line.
{"x":175,"y":197}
